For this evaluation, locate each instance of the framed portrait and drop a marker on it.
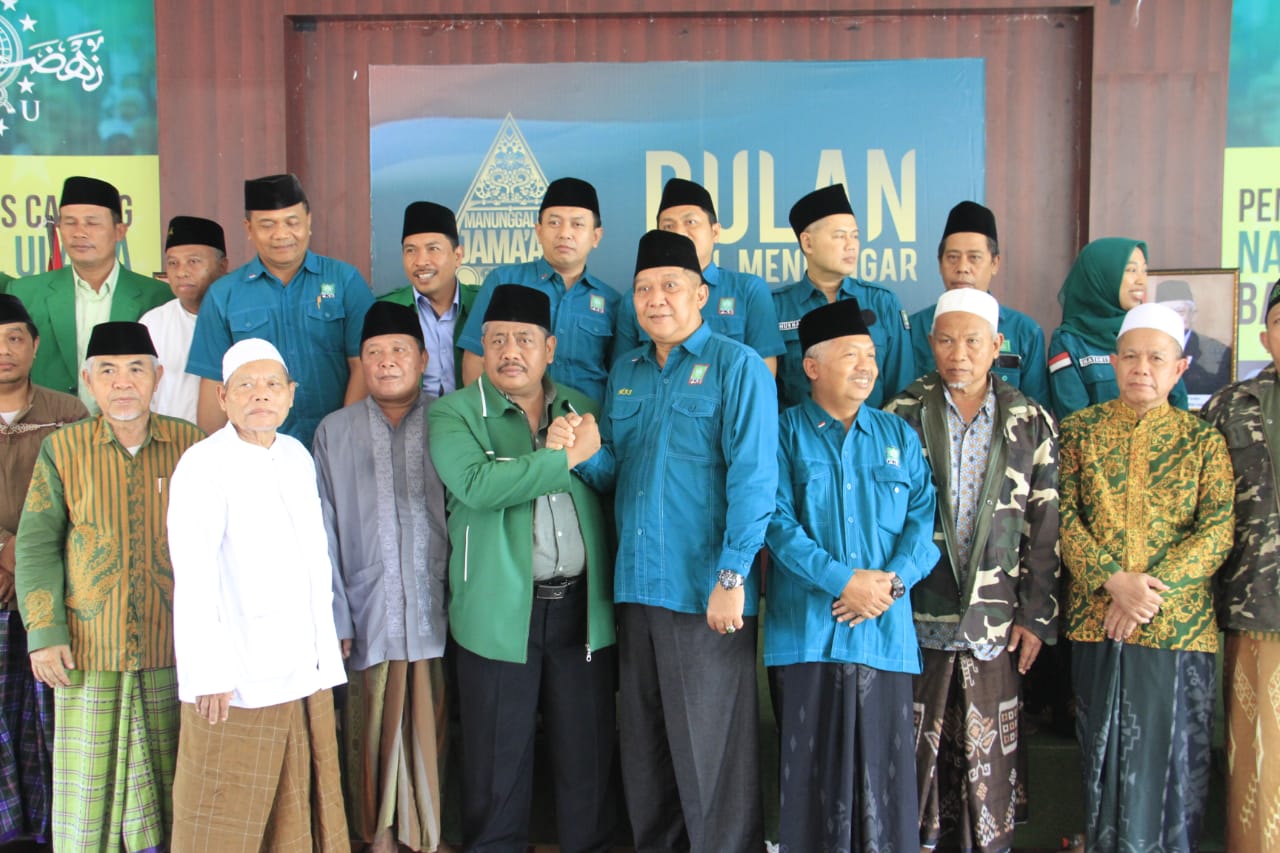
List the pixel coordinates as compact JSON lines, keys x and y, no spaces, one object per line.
{"x":1206,"y":301}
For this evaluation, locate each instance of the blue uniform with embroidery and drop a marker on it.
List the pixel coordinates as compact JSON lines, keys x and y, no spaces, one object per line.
{"x":861,"y":498}
{"x":583,"y":318}
{"x":1022,"y":360}
{"x":893,"y":346}
{"x":739,"y":306}
{"x":1080,"y":377}
{"x":315,"y":322}
{"x":690,"y":449}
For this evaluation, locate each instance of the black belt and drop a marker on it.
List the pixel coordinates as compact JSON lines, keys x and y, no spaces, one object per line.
{"x":554,"y":589}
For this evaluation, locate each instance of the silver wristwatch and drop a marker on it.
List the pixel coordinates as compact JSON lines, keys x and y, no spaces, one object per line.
{"x":730,"y":579}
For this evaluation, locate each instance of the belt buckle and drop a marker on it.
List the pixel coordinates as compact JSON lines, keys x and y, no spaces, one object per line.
{"x":549,"y":591}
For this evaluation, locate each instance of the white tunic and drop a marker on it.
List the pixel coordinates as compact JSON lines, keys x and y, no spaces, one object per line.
{"x":172,"y":327}
{"x":253,"y":595}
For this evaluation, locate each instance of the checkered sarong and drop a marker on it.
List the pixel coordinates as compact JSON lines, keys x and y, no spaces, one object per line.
{"x":114,"y":746}
{"x":26,"y":739}
{"x":266,"y":779}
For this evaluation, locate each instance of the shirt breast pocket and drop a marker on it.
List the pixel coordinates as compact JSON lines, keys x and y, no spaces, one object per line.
{"x":1241,"y":436}
{"x":250,"y":323}
{"x":694,"y":429}
{"x":327,"y":324}
{"x":624,"y":421}
{"x":893,"y":494}
{"x":591,"y":341}
{"x":812,"y":484}
{"x":732,"y":326}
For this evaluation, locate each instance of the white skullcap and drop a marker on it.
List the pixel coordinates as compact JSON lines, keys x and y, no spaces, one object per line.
{"x":970,"y":300}
{"x":250,"y":349}
{"x":1154,"y":315}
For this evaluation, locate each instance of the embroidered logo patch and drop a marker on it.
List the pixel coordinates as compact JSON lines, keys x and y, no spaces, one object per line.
{"x":328,"y":291}
{"x":892,"y":456}
{"x":597,"y":303}
{"x":698,"y":373}
{"x":1006,"y":345}
{"x":727,"y":306}
{"x":1059,"y":361}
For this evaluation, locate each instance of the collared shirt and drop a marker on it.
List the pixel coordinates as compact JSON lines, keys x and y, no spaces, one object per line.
{"x":93,"y":559}
{"x":172,"y":328}
{"x":739,"y":306}
{"x":558,"y":548}
{"x":1148,"y":495}
{"x":1021,"y":362}
{"x":92,"y":307}
{"x":437,"y":332}
{"x":889,"y":333}
{"x":583,"y":318}
{"x":384,"y":514}
{"x":692,"y":449}
{"x":253,"y":586}
{"x":969,"y":453}
{"x":315,"y":322}
{"x":851,"y":499}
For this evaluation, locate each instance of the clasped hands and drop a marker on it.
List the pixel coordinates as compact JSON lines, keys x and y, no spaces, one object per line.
{"x":1135,"y":600}
{"x":577,"y":435}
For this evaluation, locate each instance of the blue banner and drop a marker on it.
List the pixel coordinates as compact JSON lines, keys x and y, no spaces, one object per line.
{"x":906,"y":137}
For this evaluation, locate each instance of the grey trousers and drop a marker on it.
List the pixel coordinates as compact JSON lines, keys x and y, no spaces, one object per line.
{"x":689,"y":725}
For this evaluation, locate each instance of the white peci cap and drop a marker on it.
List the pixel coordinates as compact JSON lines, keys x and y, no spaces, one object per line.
{"x":250,"y":349}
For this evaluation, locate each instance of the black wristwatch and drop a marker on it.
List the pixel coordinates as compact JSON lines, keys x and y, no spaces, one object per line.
{"x":730,"y":579}
{"x":897,"y":588}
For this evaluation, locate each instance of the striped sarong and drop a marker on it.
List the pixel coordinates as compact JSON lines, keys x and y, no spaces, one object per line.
{"x":393,"y":728}
{"x":114,"y":746}
{"x":26,"y":739}
{"x":266,"y":779}
{"x":1251,"y":675}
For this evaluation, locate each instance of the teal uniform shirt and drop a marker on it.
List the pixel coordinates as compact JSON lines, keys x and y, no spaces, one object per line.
{"x":315,"y":322}
{"x":1021,"y":363}
{"x":739,"y":306}
{"x":890,"y":334}
{"x":1082,"y":376}
{"x":583,"y":318}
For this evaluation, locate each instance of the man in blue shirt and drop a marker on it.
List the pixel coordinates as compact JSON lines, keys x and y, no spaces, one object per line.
{"x":690,"y":445}
{"x":828,"y":233}
{"x":852,"y":532}
{"x":739,"y":305}
{"x":969,"y":256}
{"x":584,"y":309}
{"x":310,"y":307}
{"x":431,"y":254}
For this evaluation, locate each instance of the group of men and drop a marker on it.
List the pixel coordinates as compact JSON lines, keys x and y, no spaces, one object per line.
{"x":382,"y":480}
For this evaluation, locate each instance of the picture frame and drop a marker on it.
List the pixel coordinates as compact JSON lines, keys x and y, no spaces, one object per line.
{"x":1208,"y":301}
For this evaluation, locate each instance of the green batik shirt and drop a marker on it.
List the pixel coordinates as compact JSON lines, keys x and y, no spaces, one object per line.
{"x":1152,"y":494}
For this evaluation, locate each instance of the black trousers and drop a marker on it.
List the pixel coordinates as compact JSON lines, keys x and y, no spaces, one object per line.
{"x":499,"y":702}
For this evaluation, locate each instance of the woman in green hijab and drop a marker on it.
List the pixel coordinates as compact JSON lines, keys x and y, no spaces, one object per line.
{"x":1108,"y":278}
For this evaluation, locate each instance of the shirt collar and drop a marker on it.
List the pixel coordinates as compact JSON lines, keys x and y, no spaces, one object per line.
{"x":255,"y":269}
{"x":546,"y":272}
{"x":821,"y":419}
{"x":988,"y":406}
{"x":424,"y":303}
{"x":108,"y":286}
{"x":1122,"y":412}
{"x":418,"y":403}
{"x":156,"y":431}
{"x":711,"y":275}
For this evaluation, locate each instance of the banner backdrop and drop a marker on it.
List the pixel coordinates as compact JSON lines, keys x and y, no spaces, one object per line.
{"x":1250,"y":189}
{"x":77,"y":96}
{"x":485,"y":140}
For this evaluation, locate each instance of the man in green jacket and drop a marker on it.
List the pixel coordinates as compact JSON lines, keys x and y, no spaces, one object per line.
{"x":431,"y":254}
{"x":67,"y":303}
{"x":531,"y":588}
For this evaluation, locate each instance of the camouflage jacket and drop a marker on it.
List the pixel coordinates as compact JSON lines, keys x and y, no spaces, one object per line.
{"x":1014,"y":567}
{"x":1247,"y":587}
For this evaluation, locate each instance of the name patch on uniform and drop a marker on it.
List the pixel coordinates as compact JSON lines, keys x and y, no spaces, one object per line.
{"x":892,"y":456}
{"x":624,"y":392}
{"x":698,"y":373}
{"x":1059,"y":361}
{"x":727,"y":305}
{"x":906,"y":321}
{"x":1095,"y":359}
{"x":597,"y":303}
{"x":788,"y":325}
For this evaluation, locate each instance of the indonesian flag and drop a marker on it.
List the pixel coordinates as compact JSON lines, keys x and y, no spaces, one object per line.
{"x":1059,"y":361}
{"x":55,"y":248}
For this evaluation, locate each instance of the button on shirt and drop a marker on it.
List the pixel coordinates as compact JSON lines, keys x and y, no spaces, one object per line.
{"x":437,"y":333}
{"x":893,"y":345}
{"x":582,"y":319}
{"x":315,"y":322}
{"x":970,"y":447}
{"x":92,"y":307}
{"x":692,"y":449}
{"x":847,"y":500}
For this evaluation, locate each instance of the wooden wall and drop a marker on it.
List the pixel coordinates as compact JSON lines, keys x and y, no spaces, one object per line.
{"x":1103,"y":116}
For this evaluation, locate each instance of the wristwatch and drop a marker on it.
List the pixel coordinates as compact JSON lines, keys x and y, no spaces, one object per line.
{"x":730,"y":579}
{"x":897,"y":588}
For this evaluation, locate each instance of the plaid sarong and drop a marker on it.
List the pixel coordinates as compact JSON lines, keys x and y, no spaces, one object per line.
{"x":266,"y":779}
{"x":114,"y":747}
{"x":1251,"y":676}
{"x":393,"y":732}
{"x":26,"y":739}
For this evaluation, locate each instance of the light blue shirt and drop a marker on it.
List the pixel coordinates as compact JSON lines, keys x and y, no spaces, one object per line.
{"x":847,"y":500}
{"x":889,"y":332}
{"x":582,"y":319}
{"x":437,"y":334}
{"x":692,"y":450}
